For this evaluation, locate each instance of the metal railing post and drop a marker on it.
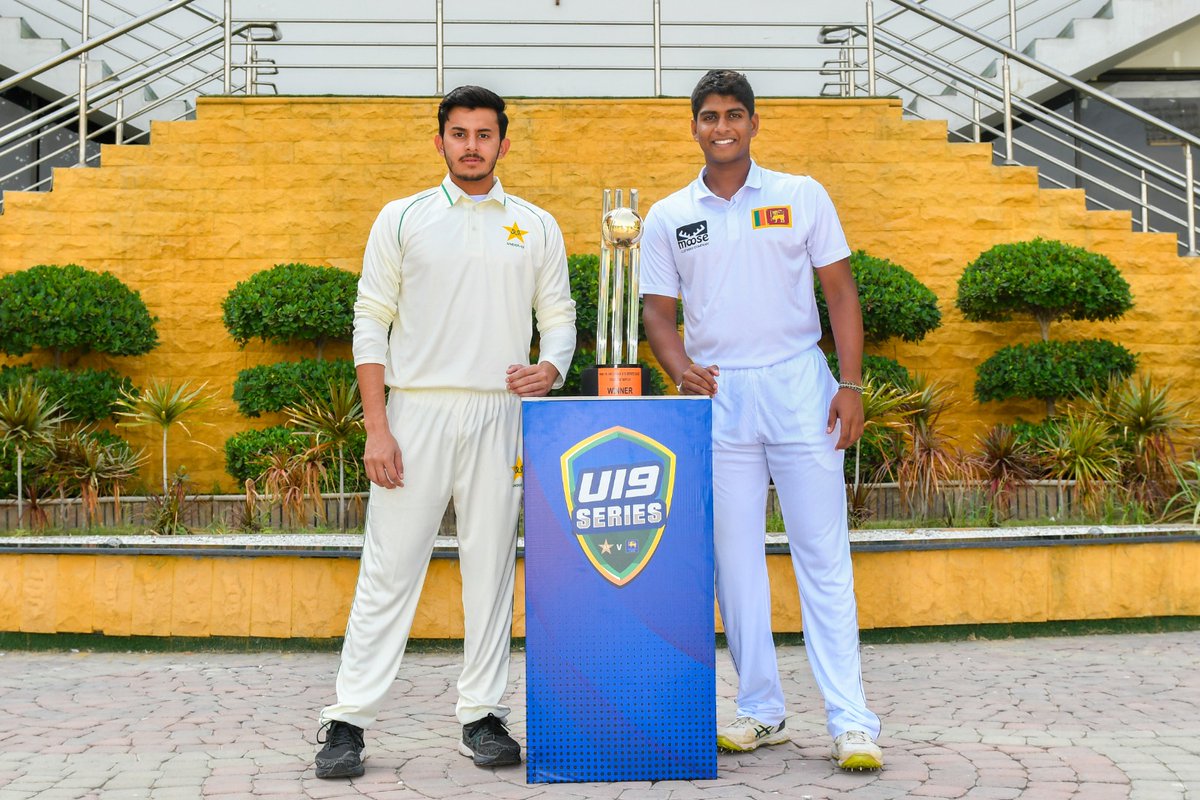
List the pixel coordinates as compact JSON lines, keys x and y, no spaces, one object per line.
{"x":439,"y":24}
{"x":871,"y":47}
{"x":1189,"y":196}
{"x":251,"y":69}
{"x":119,"y":133}
{"x":1012,"y":42}
{"x":227,"y":46}
{"x":86,"y":11}
{"x":658,"y":48}
{"x":976,"y":132}
{"x":1145,"y":204}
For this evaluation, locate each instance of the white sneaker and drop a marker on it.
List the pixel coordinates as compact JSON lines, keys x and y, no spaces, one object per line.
{"x":856,"y":750}
{"x":746,"y":733}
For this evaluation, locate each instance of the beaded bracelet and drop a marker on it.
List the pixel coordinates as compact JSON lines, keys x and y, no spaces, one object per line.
{"x":851,"y":386}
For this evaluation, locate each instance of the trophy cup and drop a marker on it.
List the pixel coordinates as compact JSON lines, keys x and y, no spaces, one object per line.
{"x":617,"y":373}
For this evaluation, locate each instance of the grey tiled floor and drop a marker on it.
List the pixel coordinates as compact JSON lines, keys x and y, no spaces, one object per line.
{"x":1088,"y":717}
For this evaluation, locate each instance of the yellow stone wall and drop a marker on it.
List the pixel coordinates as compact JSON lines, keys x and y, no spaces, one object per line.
{"x":258,"y":181}
{"x":288,"y":597}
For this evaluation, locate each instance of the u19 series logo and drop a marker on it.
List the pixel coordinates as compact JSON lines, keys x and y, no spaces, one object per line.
{"x":618,"y":485}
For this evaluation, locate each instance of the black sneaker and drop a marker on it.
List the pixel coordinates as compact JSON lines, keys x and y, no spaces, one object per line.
{"x":341,"y":757}
{"x":488,"y":744}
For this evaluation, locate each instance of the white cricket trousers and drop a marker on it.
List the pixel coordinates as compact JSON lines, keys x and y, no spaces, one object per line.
{"x":460,"y":444}
{"x":769,"y":424}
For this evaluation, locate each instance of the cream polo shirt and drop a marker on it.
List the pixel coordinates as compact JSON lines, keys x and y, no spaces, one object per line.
{"x":744,"y":265}
{"x":455,"y":281}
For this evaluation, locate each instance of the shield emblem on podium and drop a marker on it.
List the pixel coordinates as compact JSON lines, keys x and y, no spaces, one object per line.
{"x":618,"y":485}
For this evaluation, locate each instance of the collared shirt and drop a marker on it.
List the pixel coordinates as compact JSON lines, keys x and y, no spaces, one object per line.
{"x":744,"y":266}
{"x":455,"y":281}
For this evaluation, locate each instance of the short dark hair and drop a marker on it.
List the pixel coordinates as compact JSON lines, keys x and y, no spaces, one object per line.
{"x":472,"y":97}
{"x":725,"y":82}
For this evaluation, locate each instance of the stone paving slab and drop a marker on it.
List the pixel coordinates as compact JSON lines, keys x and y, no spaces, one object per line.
{"x":1085,"y":717}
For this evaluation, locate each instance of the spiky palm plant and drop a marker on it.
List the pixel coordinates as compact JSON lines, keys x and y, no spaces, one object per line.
{"x":930,"y":458}
{"x":1146,"y":424}
{"x":1005,"y":462}
{"x":1185,"y":503}
{"x":293,"y":479}
{"x":885,"y":405}
{"x":1084,"y":452}
{"x":27,"y":418}
{"x":331,"y":420}
{"x":165,"y":405}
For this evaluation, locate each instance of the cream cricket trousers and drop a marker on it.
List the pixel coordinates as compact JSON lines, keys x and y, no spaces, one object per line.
{"x":769,"y":424}
{"x":460,"y":444}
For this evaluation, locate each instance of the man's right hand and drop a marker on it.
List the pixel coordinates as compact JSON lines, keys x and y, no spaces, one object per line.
{"x":384,"y":463}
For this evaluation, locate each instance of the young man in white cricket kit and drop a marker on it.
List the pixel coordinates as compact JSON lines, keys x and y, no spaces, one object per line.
{"x":741,"y":244}
{"x":443,"y":318}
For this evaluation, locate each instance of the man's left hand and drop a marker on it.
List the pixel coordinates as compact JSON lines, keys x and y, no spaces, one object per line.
{"x":532,"y":381}
{"x":847,"y":407}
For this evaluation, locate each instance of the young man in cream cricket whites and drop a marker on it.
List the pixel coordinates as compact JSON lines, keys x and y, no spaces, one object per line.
{"x":741,"y":244}
{"x":443,"y":319}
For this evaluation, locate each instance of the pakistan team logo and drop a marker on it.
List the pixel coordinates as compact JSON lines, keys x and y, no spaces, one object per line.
{"x":618,"y":485}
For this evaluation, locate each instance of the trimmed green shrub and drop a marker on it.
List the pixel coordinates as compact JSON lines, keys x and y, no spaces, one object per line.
{"x":882,"y":367}
{"x":69,"y":309}
{"x":247,"y":453}
{"x":894,"y":302}
{"x":292,"y":302}
{"x":87,"y":395}
{"x":1044,"y":279}
{"x":274,"y":387}
{"x":1049,"y":370}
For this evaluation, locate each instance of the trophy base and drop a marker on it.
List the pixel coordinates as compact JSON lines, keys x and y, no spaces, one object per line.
{"x":615,"y":380}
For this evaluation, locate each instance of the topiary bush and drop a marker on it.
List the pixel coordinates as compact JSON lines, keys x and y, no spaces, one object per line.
{"x":72,"y":311}
{"x":894,"y":303}
{"x":87,"y":395}
{"x":1048,"y":281}
{"x":1043,"y":279}
{"x":246,"y":455}
{"x":292,"y":302}
{"x":1050,"y":370}
{"x":274,"y":387}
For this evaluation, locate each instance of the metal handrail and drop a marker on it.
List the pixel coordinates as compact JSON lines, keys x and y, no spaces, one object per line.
{"x":91,"y":44}
{"x":1009,"y":108}
{"x":111,"y":88}
{"x":132,"y":36}
{"x":1050,"y":72}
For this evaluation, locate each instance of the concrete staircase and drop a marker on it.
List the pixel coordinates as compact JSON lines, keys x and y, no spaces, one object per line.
{"x":1084,"y":49}
{"x":21,"y":48}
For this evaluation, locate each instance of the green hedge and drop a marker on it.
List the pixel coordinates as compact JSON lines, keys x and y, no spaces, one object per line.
{"x":292,"y":302}
{"x":894,"y":303}
{"x":1045,"y":279}
{"x":72,"y":309}
{"x":247,"y":454}
{"x":881,"y":367}
{"x":274,"y":387}
{"x":87,"y":395}
{"x":1048,"y":370}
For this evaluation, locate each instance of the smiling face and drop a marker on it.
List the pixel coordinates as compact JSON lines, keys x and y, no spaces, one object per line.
{"x":471,"y":145}
{"x":724,"y":127}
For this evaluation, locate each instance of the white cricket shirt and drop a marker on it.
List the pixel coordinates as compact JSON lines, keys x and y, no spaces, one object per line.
{"x":455,"y":281}
{"x":743,"y":266}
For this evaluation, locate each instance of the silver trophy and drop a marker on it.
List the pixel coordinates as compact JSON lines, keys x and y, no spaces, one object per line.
{"x":617,"y":372}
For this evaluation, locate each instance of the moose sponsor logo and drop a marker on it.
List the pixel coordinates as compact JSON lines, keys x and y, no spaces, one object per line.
{"x":691,"y":236}
{"x":618,"y":485}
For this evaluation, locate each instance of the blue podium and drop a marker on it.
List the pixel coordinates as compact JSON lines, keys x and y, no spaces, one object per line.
{"x":620,"y":652}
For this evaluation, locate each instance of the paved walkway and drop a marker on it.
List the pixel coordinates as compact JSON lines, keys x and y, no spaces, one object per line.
{"x":1088,"y":717}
